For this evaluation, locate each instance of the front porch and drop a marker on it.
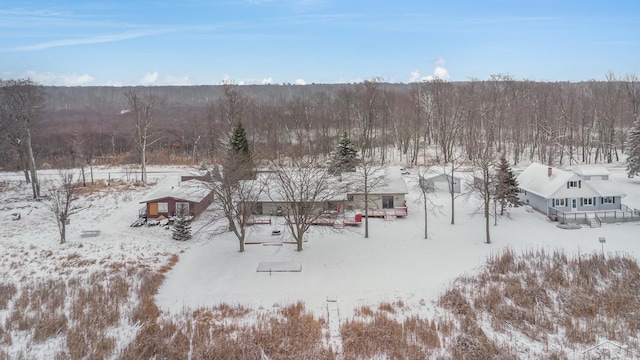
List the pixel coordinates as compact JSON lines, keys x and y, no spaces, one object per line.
{"x":595,"y":218}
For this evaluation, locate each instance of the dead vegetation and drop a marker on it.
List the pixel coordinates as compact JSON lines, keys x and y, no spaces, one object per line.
{"x":562,"y":305}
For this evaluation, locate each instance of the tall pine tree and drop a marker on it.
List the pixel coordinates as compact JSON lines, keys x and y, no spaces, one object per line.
{"x":239,"y":143}
{"x":633,"y":150}
{"x":507,"y":187}
{"x":239,"y":162}
{"x":345,"y":157}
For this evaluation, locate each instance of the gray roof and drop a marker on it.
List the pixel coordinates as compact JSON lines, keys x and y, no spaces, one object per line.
{"x":390,"y":181}
{"x":191,"y":190}
{"x":605,"y":188}
{"x":591,"y":170}
{"x":535,"y":179}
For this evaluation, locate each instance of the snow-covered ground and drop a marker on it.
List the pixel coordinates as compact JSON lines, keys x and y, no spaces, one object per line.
{"x":395,"y":262}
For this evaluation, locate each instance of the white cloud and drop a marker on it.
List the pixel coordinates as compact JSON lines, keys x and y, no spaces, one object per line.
{"x":49,"y":78}
{"x":177,"y":80}
{"x":149,"y":78}
{"x":439,"y":72}
{"x":415,"y":76}
{"x":267,"y":81}
{"x":75,"y":80}
{"x":91,"y":40}
{"x":114,"y":83}
{"x":300,"y":82}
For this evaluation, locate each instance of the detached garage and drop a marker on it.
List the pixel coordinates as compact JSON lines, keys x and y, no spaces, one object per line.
{"x":194,"y":196}
{"x":441,"y":182}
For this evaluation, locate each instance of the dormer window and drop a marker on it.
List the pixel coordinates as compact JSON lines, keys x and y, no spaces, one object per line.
{"x":574,"y":184}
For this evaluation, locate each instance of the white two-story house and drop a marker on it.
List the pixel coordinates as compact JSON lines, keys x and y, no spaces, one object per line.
{"x":587,"y":188}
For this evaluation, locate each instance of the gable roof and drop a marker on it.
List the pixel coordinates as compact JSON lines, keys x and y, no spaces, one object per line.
{"x":606,"y":188}
{"x":591,"y":170}
{"x":439,"y":176}
{"x":535,"y":179}
{"x":390,"y":181}
{"x":191,"y":190}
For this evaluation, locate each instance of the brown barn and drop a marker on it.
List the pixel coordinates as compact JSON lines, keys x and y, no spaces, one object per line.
{"x":195,"y":195}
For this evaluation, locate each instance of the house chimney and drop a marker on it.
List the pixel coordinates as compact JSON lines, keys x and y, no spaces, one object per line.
{"x":549,"y":171}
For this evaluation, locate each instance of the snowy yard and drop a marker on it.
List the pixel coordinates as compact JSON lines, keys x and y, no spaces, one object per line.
{"x":395,"y":263}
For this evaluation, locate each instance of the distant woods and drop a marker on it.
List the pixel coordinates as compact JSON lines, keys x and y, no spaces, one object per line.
{"x":548,"y":122}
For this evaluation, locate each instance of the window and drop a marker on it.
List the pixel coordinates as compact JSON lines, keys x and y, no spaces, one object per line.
{"x":587,"y":201}
{"x":608,"y":200}
{"x":559,"y":202}
{"x":349,"y":197}
{"x":182,"y":209}
{"x":387,"y":202}
{"x":163,"y":207}
{"x":574,"y":184}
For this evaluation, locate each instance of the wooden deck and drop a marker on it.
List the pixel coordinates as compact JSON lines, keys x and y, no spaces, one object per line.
{"x":397,"y":212}
{"x":254,"y":220}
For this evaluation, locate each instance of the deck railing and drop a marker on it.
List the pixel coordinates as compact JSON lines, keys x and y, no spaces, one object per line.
{"x":604,"y":216}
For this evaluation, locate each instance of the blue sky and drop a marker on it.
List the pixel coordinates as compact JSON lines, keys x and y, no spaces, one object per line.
{"x":144,"y":42}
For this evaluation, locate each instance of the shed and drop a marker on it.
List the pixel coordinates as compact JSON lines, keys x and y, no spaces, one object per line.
{"x":440,"y":182}
{"x":194,"y":196}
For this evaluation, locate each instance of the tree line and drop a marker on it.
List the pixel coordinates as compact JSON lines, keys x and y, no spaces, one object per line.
{"x":550,"y":122}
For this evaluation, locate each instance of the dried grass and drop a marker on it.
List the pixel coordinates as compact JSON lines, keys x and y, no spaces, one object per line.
{"x":173,"y":260}
{"x":377,"y":335}
{"x":7,"y":292}
{"x":541,"y":295}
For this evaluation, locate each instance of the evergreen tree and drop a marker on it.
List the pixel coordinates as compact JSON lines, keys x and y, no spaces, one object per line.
{"x":633,"y":150}
{"x":506,"y":188}
{"x":239,"y":162}
{"x":345,"y":157}
{"x":181,"y":226}
{"x":239,"y":143}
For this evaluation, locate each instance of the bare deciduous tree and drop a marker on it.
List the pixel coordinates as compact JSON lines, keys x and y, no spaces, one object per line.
{"x":142,"y":110}
{"x":426,"y":187}
{"x":63,"y":196}
{"x":22,"y":101}
{"x":304,"y":188}
{"x":369,"y":178}
{"x":482,"y":185}
{"x":236,"y":197}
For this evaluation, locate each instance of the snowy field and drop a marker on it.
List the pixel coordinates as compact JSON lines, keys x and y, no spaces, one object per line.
{"x":394,"y":263}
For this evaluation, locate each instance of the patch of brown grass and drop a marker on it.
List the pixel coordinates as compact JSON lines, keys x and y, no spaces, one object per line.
{"x":173,"y":260}
{"x":544,"y":295}
{"x":385,"y":306}
{"x":48,"y":325}
{"x":379,"y":336}
{"x":7,"y":292}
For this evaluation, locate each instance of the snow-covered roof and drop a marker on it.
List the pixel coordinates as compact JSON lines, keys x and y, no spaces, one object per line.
{"x":535,"y":179}
{"x":438,"y":174}
{"x":270,"y":193}
{"x":591,"y":170}
{"x":191,"y":190}
{"x":605,"y":188}
{"x":389,"y":181}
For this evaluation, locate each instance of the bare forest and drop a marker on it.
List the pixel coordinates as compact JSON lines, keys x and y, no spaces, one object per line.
{"x":550,"y":122}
